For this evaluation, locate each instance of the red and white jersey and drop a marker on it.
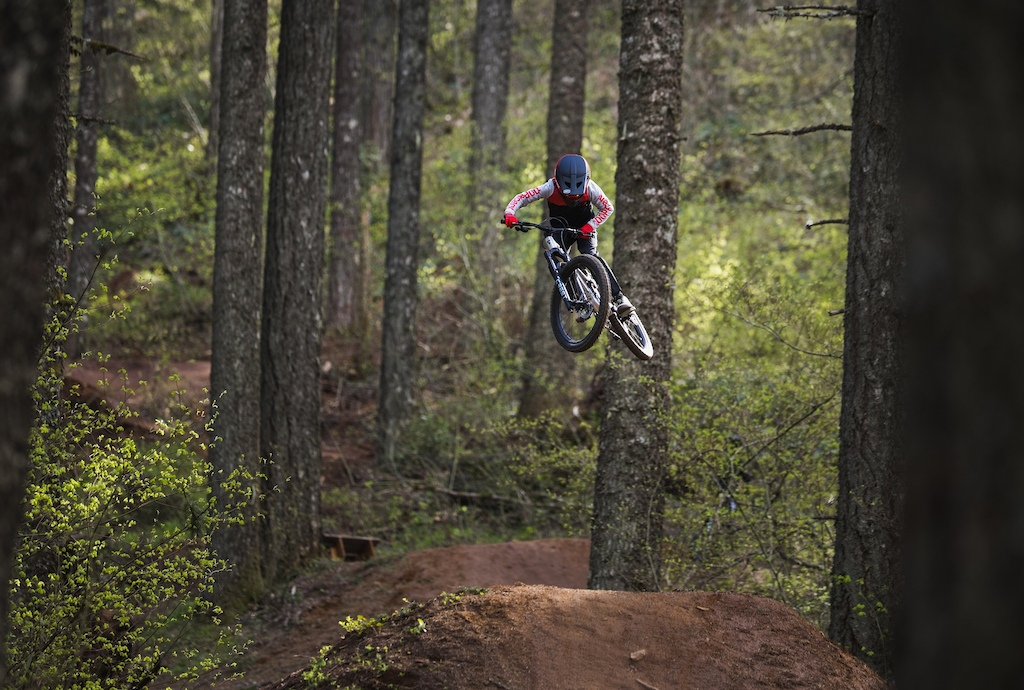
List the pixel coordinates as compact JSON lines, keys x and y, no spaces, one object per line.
{"x":594,"y":207}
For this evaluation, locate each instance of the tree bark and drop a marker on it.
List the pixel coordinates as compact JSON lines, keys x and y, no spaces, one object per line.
{"x":399,"y":328}
{"x":348,"y":277}
{"x":33,"y":71}
{"x":866,"y":573}
{"x":292,"y":288}
{"x":490,"y":103}
{"x":216,"y":69}
{"x":964,"y":552}
{"x":238,"y":286}
{"x":82,"y":257}
{"x":628,"y":494}
{"x":49,"y":398}
{"x":549,"y":371}
{"x":379,"y":22}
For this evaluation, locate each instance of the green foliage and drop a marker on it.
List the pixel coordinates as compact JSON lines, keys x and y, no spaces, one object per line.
{"x":757,"y":350}
{"x":756,"y":411}
{"x":113,"y":565}
{"x":506,"y":480}
{"x":768,"y":76}
{"x":317,"y":665}
{"x":152,"y":166}
{"x":359,"y":624}
{"x":449,"y":598}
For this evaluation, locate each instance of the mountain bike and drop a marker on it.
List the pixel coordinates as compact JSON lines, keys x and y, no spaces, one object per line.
{"x":581,"y":299}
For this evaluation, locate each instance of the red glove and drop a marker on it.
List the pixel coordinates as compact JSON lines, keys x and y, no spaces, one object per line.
{"x":588,"y":230}
{"x":510,"y":220}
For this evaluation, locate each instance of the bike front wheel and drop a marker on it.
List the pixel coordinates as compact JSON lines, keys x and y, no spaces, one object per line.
{"x":633,"y":334}
{"x":579,"y":320}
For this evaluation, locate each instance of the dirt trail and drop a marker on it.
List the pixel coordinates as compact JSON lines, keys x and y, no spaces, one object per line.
{"x":537,"y":627}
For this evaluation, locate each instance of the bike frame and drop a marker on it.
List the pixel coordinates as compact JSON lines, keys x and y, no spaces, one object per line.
{"x":554,"y":255}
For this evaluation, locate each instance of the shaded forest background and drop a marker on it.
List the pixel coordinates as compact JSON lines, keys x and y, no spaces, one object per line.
{"x":759,"y":282}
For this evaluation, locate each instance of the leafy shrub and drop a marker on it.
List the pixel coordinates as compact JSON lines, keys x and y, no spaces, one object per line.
{"x":113,"y":565}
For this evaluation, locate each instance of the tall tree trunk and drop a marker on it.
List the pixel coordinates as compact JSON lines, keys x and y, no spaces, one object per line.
{"x":628,"y":496}
{"x":238,"y":284}
{"x":33,"y":69}
{"x":866,"y":573}
{"x":379,"y":24}
{"x":963,"y":609}
{"x":348,"y":273}
{"x":216,"y":69}
{"x":487,"y":150}
{"x":292,"y":287}
{"x":549,"y":371}
{"x":399,"y":337}
{"x":51,"y":403}
{"x":83,"y":259}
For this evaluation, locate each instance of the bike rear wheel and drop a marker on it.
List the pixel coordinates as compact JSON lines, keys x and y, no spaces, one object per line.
{"x":578,"y":321}
{"x":633,"y":334}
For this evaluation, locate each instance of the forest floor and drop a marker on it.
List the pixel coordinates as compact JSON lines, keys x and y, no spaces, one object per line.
{"x":534,"y":626}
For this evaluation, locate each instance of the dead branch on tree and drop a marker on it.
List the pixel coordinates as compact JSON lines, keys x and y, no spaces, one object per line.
{"x":102,"y":47}
{"x":813,"y":11}
{"x":91,"y":120}
{"x":804,"y":130}
{"x":830,"y":221}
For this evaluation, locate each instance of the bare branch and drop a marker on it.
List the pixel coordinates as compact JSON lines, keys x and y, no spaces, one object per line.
{"x":830,"y":221}
{"x":805,"y":130}
{"x":778,"y":336}
{"x":101,"y":46}
{"x":813,"y":11}
{"x":92,"y":120}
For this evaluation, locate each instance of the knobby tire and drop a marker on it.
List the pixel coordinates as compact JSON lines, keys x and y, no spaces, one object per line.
{"x":572,"y":334}
{"x":633,"y":334}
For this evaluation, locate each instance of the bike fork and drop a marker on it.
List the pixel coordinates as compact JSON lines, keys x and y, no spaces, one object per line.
{"x":552,"y":252}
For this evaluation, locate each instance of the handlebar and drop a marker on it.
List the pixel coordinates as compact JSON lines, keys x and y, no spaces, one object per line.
{"x":523,"y":226}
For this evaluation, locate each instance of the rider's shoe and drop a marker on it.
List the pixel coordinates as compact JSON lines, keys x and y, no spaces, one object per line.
{"x":623,"y":308}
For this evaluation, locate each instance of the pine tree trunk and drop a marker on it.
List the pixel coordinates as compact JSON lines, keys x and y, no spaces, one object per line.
{"x":49,"y":396}
{"x":399,"y":337}
{"x":292,"y":287}
{"x":348,"y":277}
{"x":866,"y":570}
{"x":216,"y":67}
{"x":379,"y":22}
{"x":549,"y":371}
{"x":628,"y":495}
{"x":961,"y":621}
{"x":490,"y":103}
{"x":82,"y":257}
{"x":33,"y":53}
{"x":238,"y":282}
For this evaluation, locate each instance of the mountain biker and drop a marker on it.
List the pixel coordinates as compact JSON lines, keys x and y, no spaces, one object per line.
{"x":572,"y":197}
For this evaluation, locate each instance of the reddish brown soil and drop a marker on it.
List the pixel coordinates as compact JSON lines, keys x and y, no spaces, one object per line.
{"x":546,"y":632}
{"x":535,"y":626}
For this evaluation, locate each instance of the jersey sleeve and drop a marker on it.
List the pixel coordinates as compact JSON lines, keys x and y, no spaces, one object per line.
{"x":602,"y":204}
{"x":529,"y":196}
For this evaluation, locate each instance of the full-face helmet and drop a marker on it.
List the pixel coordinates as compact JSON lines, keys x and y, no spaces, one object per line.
{"x":572,"y":173}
